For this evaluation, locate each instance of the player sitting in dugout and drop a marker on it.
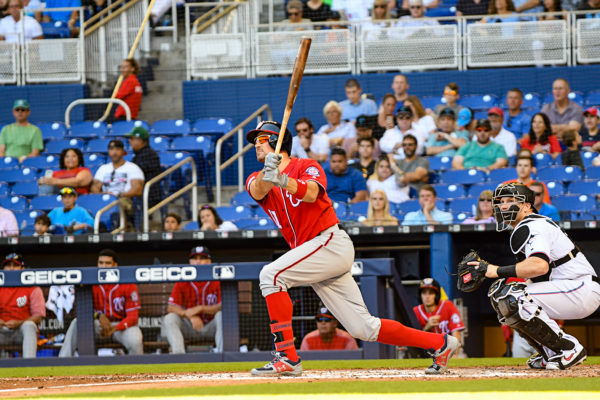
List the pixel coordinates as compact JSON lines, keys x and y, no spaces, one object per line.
{"x":327,"y":336}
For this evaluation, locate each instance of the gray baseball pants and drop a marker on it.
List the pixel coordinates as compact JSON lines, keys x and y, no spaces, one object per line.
{"x":176,"y":329}
{"x":25,"y":334}
{"x":131,"y":338}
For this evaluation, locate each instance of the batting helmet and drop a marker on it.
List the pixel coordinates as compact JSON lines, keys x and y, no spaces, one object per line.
{"x":273,"y":129}
{"x":521,"y":194}
{"x":430,"y":283}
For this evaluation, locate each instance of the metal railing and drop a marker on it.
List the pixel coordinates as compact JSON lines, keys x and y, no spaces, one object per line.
{"x":173,"y":27}
{"x":95,"y":101}
{"x":239,"y":129}
{"x":190,"y":186}
{"x":122,"y":219}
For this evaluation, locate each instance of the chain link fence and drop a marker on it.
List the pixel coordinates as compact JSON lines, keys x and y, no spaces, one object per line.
{"x":9,"y":63}
{"x":56,"y":60}
{"x":587,"y":33}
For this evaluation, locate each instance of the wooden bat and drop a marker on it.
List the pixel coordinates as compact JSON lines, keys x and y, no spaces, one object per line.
{"x":294,"y":86}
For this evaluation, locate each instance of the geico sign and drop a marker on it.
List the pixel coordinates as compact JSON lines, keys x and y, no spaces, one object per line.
{"x":58,"y":277}
{"x":165,"y":274}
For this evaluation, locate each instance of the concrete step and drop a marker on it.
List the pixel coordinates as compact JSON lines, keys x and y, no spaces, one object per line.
{"x":165,"y":86}
{"x":170,"y":74}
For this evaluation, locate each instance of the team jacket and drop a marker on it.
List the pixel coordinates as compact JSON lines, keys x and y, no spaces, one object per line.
{"x":119,"y":302}
{"x":191,"y":294}
{"x":298,"y":221}
{"x":450,"y":319}
{"x":20,"y":303}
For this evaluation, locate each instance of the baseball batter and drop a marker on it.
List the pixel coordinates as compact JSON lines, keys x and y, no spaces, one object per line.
{"x":293,"y":193}
{"x":565,"y":285}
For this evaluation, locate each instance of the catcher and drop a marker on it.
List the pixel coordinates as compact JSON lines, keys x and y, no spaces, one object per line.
{"x":565,"y":285}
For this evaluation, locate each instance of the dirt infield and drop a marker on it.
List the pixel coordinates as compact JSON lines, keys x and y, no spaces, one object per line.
{"x":39,"y":386}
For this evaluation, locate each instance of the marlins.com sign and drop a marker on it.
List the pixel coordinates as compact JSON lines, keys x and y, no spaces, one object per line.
{"x":56,"y":277}
{"x":161,"y":274}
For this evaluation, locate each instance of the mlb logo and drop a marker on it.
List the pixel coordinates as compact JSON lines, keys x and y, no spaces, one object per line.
{"x":223,"y":272}
{"x":1,"y":278}
{"x":357,"y":268}
{"x":108,"y":275}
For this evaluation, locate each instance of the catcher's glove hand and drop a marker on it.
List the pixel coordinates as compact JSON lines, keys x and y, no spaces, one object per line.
{"x":470,"y":277}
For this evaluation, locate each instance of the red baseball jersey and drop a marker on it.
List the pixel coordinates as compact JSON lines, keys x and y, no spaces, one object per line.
{"x":191,"y":294}
{"x":450,"y":319}
{"x":20,"y":303}
{"x":117,"y":302}
{"x":298,"y":221}
{"x":131,"y":93}
{"x":341,"y":341}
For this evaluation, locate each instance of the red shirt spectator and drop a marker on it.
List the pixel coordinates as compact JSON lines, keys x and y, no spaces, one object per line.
{"x":130,"y":91}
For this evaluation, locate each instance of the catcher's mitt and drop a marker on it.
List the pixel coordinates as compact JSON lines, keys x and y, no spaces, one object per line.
{"x":470,"y":277}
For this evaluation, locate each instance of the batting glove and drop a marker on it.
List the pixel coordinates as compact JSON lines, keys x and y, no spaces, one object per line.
{"x":272,"y":160}
{"x":273,"y":176}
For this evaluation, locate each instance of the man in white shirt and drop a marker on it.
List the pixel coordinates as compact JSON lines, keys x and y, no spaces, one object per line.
{"x":391,"y":141}
{"x":308,"y":145}
{"x":500,"y":135}
{"x":12,"y":25}
{"x":416,"y":17}
{"x":119,"y":177}
{"x":352,"y":10}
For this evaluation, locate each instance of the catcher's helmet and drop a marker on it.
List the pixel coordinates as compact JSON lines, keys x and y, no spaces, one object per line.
{"x":272,"y":128}
{"x":14,"y":257}
{"x":521,"y":194}
{"x":430,"y":283}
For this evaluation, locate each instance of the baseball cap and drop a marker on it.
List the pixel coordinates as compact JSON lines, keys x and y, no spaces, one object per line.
{"x":139,"y":132}
{"x":484,"y":123}
{"x":324,"y":312}
{"x":199,"y":250}
{"x":117,"y":143}
{"x":465,"y":116}
{"x":415,"y":2}
{"x":14,"y":257}
{"x":68,"y":190}
{"x":362,"y":121}
{"x":449,"y":112}
{"x":404,"y":110}
{"x":592,"y":111}
{"x":429,"y":283}
{"x":496,"y":111}
{"x":21,"y":103}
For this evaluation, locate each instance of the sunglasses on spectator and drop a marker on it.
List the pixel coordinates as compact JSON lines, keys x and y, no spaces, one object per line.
{"x":67,"y":190}
{"x":450,"y":92}
{"x":482,"y":129}
{"x":324,"y":319}
{"x":405,"y":116}
{"x":262,"y":139}
{"x":379,"y":6}
{"x":417,"y":7}
{"x":21,"y":109}
{"x":485,"y":199}
{"x":293,"y":13}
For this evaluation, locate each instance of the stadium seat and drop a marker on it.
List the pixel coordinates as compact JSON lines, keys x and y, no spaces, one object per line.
{"x":588,"y":158}
{"x":14,"y":203}
{"x":52,"y":130}
{"x":556,"y":188}
{"x":160,"y":143}
{"x":439,"y":163}
{"x":170,"y":127}
{"x":27,"y":189}
{"x":432,"y":101}
{"x":565,"y":174}
{"x":574,"y":203}
{"x":193,"y":144}
{"x":191,"y":226}
{"x":530,"y":100}
{"x":42,"y":162}
{"x":7,"y":163}
{"x":169,"y":158}
{"x":412,"y":205}
{"x":55,"y":30}
{"x":441,"y":11}
{"x":122,"y":128}
{"x":97,"y":145}
{"x":4,"y":189}
{"x":468,"y":205}
{"x":19,"y":175}
{"x":593,"y":99}
{"x":359,"y":208}
{"x":577,"y":97}
{"x":94,"y":160}
{"x":459,"y":217}
{"x":262,"y":224}
{"x":94,"y":202}
{"x":27,"y":218}
{"x":479,"y":102}
{"x":56,"y":146}
{"x":450,"y":191}
{"x":88,"y":129}
{"x":46,"y":203}
{"x":543,"y":160}
{"x":243,"y":199}
{"x":212,"y":126}
{"x":502,"y":174}
{"x":476,"y":189}
{"x":591,"y":188}
{"x":592,"y":172}
{"x":465,"y":177}
{"x":234,"y":212}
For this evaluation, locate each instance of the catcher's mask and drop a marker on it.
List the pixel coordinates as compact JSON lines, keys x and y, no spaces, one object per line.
{"x":271,"y":128}
{"x":430,"y":283}
{"x":521,"y":195}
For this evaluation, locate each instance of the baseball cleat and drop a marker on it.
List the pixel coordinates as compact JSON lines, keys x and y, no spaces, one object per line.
{"x":441,"y":357}
{"x":569,"y":358}
{"x":537,"y":361}
{"x":281,"y":365}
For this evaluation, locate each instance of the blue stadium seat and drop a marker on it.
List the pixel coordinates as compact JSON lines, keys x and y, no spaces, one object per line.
{"x":476,"y":189}
{"x":565,"y":174}
{"x":450,"y":191}
{"x":441,"y":11}
{"x":590,"y":173}
{"x":191,"y":226}
{"x":193,"y":143}
{"x":449,"y":2}
{"x":212,"y":126}
{"x":170,"y":127}
{"x":94,"y":202}
{"x":169,"y":158}
{"x":593,"y":99}
{"x":42,"y":162}
{"x":19,"y":175}
{"x":27,"y":189}
{"x":52,"y":130}
{"x":97,"y":145}
{"x":502,"y":174}
{"x":588,"y":158}
{"x":160,"y":143}
{"x":56,"y":146}
{"x":122,"y":128}
{"x":262,"y":224}
{"x":27,"y":218}
{"x":576,"y":96}
{"x":94,"y":160}
{"x":530,"y":100}
{"x":243,"y":199}
{"x":88,"y":129}
{"x":7,"y":163}
{"x":468,"y":205}
{"x":406,"y":207}
{"x":459,"y":217}
{"x":439,"y":163}
{"x":4,"y":189}
{"x":543,"y":160}
{"x":574,"y":203}
{"x":432,"y":101}
{"x":234,"y":212}
{"x":14,"y":203}
{"x":556,"y":188}
{"x":56,"y":30}
{"x":359,"y":208}
{"x":465,"y":177}
{"x":479,"y":102}
{"x":591,"y":188}
{"x":46,"y":203}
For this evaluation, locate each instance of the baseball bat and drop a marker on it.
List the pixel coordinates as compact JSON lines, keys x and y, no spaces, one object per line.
{"x":295,"y":80}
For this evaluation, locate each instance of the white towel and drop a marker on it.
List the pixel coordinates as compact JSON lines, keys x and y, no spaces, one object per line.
{"x":60,"y":300}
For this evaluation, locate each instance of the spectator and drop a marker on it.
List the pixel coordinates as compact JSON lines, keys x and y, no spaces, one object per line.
{"x":446,"y":140}
{"x":466,"y":123}
{"x":316,"y":11}
{"x":416,"y":18}
{"x":116,"y":312}
{"x":528,"y":6}
{"x":94,"y":7}
{"x":472,"y":7}
{"x":385,"y":117}
{"x":499,"y":134}
{"x":355,"y":105}
{"x":42,"y":225}
{"x":344,"y":184}
{"x":21,"y":310}
{"x":147,"y":159}
{"x":541,"y":139}
{"x":70,"y":18}
{"x":421,"y":121}
{"x":327,"y":336}
{"x":308,"y":145}
{"x":3,"y":7}
{"x":159,"y":9}
{"x":429,"y":213}
{"x":131,"y":91}
{"x":8,"y":223}
{"x":194,"y":310}
{"x":517,"y":120}
{"x":501,"y":11}
{"x":590,"y":5}
{"x":364,"y":129}
{"x":391,"y":142}
{"x":481,"y":154}
{"x":412,"y":170}
{"x":544,"y":209}
{"x":336,"y":130}
{"x":485,"y":213}
{"x":172,"y":222}
{"x":295,"y":20}
{"x":563,"y":113}
{"x":590,"y":140}
{"x":365,"y":162}
{"x":385,"y":179}
{"x":72,"y":218}
{"x":12,"y":27}
{"x":21,"y":139}
{"x":380,"y":16}
{"x":451,"y":95}
{"x":571,"y":156}
{"x":524,"y":170}
{"x":72,"y":173}
{"x":400,"y":87}
{"x":434,"y":314}
{"x":352,"y":10}
{"x":378,"y":212}
{"x":211,"y":221}
{"x":552,"y":6}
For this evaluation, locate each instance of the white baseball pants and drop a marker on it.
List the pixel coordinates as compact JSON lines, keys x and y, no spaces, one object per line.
{"x":131,"y":338}
{"x":175,"y":329}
